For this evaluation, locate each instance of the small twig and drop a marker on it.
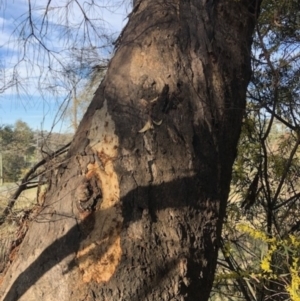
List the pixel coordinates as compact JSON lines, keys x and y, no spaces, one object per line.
{"x":27,"y":184}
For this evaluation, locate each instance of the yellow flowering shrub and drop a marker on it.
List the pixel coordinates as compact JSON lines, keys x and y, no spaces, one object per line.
{"x":293,"y":288}
{"x":280,"y":262}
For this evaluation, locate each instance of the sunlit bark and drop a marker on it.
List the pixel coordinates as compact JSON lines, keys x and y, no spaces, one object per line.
{"x":136,"y":212}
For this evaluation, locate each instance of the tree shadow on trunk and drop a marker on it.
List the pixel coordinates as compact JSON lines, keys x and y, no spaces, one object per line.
{"x":161,"y":240}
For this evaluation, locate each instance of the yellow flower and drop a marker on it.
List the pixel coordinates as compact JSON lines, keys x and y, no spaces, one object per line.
{"x":293,"y":287}
{"x":265,"y":264}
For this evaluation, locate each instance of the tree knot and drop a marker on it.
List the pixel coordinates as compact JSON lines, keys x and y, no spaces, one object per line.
{"x":88,"y":195}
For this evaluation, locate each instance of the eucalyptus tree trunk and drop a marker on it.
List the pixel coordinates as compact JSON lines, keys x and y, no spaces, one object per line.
{"x":136,"y":211}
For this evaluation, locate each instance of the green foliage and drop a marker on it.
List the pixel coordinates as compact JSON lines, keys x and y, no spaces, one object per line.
{"x":17,"y":148}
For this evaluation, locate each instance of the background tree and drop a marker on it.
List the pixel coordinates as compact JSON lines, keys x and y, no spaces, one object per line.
{"x":17,"y":148}
{"x":85,"y":76}
{"x":56,"y":45}
{"x":260,"y":247}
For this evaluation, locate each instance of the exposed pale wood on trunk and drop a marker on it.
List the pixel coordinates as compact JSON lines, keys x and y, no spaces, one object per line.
{"x":156,"y":195}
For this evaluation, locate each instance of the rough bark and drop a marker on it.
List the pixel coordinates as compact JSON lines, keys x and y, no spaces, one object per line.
{"x":136,"y":211}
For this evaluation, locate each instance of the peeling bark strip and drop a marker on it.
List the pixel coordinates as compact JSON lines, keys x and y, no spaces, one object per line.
{"x":136,"y":213}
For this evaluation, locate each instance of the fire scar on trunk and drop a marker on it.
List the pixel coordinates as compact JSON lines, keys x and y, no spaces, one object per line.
{"x":100,"y":253}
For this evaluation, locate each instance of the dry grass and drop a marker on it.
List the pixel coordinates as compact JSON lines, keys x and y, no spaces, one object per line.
{"x":25,"y":200}
{"x":10,"y":230}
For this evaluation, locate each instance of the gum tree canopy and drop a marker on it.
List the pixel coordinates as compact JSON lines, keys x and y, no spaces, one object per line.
{"x":136,"y":210}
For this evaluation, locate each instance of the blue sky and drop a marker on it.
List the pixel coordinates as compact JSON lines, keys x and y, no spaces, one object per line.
{"x":40,"y":88}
